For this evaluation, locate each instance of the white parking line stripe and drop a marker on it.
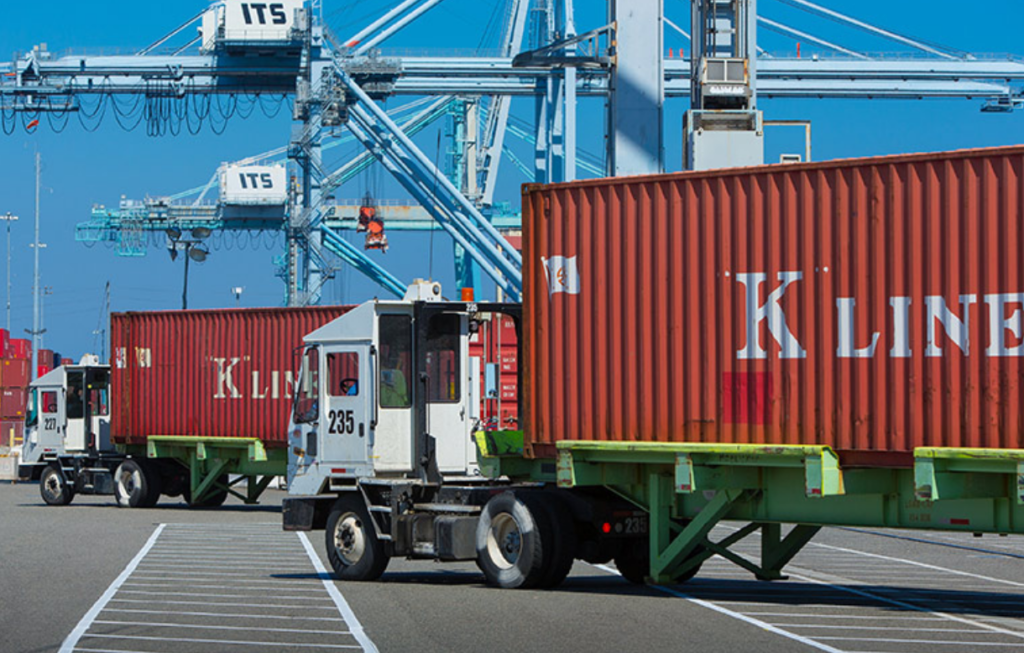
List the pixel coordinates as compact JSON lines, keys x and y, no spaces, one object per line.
{"x":920,"y":641}
{"x":921,"y":564}
{"x":902,"y":629}
{"x":339,"y":600}
{"x":843,"y":616}
{"x":234,"y":586}
{"x":736,"y":615}
{"x":245,"y":628}
{"x":222,"y":641}
{"x":222,"y":596}
{"x":247,"y":605}
{"x":910,"y":606}
{"x":199,"y":573}
{"x":229,"y":616}
{"x":90,"y":616}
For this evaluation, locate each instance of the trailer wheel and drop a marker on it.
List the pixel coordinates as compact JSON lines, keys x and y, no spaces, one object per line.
{"x":214,"y":500}
{"x":353,"y":549}
{"x":136,"y":485}
{"x":634,"y":561}
{"x":55,"y":491}
{"x":515,"y":541}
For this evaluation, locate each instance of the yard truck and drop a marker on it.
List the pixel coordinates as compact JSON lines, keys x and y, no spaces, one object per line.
{"x":789,"y":347}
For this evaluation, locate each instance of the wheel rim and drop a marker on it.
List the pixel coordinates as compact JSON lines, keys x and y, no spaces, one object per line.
{"x":504,"y":541}
{"x":350,"y":539}
{"x":53,"y":485}
{"x":128,"y":482}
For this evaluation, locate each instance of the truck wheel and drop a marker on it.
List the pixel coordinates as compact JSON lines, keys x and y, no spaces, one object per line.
{"x":565,"y":540}
{"x":136,"y":485}
{"x":55,"y":491}
{"x":352,"y":545}
{"x":515,"y":541}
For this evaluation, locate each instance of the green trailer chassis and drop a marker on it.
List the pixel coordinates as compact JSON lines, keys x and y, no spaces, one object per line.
{"x":207,"y":460}
{"x":689,"y":488}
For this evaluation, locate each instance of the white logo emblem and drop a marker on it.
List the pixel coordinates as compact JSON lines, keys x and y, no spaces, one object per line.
{"x":562,"y":274}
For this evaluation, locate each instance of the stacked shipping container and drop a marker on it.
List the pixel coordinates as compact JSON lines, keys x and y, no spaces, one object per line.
{"x":495,"y":343}
{"x":15,"y":375}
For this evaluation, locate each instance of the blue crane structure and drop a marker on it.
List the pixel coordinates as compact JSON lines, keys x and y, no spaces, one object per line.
{"x":248,"y":52}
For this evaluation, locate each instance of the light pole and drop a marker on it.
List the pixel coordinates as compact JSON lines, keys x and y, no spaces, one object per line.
{"x":237,"y":292}
{"x":8,"y":218}
{"x":194,"y":249}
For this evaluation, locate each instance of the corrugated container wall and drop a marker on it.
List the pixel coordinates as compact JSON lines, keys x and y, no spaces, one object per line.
{"x":222,"y":373}
{"x":873,"y":305}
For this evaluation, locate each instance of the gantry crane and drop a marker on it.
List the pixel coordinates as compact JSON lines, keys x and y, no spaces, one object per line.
{"x":337,"y":82}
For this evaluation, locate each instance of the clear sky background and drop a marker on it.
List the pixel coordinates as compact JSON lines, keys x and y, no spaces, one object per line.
{"x":81,"y":169}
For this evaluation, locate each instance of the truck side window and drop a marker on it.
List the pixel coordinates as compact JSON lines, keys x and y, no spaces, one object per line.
{"x":50,"y":402}
{"x":75,"y":402}
{"x":395,"y":360}
{"x":32,"y":414}
{"x":443,"y":359}
{"x":343,"y":374}
{"x":306,"y":405}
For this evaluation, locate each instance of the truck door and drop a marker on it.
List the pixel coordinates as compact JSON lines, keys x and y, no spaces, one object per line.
{"x":446,"y":369}
{"x":73,"y":417}
{"x":349,"y":394}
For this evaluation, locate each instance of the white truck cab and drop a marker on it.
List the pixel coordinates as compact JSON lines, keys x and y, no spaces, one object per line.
{"x":386,"y":391}
{"x":67,"y":432}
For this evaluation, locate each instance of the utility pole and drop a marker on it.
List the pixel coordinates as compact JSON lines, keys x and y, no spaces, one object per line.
{"x":8,"y":218}
{"x":37,"y":330}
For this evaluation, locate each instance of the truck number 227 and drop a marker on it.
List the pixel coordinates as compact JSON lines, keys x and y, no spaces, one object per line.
{"x":342,"y":422}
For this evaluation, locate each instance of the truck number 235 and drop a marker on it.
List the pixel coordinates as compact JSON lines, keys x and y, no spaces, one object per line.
{"x":342,"y":422}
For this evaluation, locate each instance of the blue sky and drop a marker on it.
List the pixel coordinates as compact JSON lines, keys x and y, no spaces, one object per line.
{"x":81,"y":169}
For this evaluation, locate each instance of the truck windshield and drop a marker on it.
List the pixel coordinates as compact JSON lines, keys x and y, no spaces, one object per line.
{"x":307,"y":407}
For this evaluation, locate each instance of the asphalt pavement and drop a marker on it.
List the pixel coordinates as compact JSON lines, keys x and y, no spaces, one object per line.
{"x":174,"y":579}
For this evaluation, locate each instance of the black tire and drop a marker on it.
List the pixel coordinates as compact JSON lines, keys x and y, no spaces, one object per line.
{"x":353,"y":548}
{"x":515,"y":541}
{"x":53,"y":487}
{"x":634,"y":563}
{"x":565,"y":545}
{"x":214,"y":500}
{"x":136,"y":484}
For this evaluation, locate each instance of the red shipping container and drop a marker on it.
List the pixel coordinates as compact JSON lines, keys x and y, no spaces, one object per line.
{"x":12,"y":403}
{"x":5,"y":338}
{"x":222,"y":373}
{"x":19,"y":348}
{"x":15,"y":373}
{"x":872,"y":305}
{"x":43,"y":369}
{"x":67,"y":361}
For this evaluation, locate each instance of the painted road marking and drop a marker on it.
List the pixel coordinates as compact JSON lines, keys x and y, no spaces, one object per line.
{"x":339,"y":600}
{"x":736,"y":615}
{"x":147,"y":603}
{"x":90,"y":616}
{"x":934,"y":596}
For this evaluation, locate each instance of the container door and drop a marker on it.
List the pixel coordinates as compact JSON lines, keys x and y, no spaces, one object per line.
{"x":348,"y":391}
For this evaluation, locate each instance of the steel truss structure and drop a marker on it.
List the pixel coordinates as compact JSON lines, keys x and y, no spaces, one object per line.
{"x":338,"y":82}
